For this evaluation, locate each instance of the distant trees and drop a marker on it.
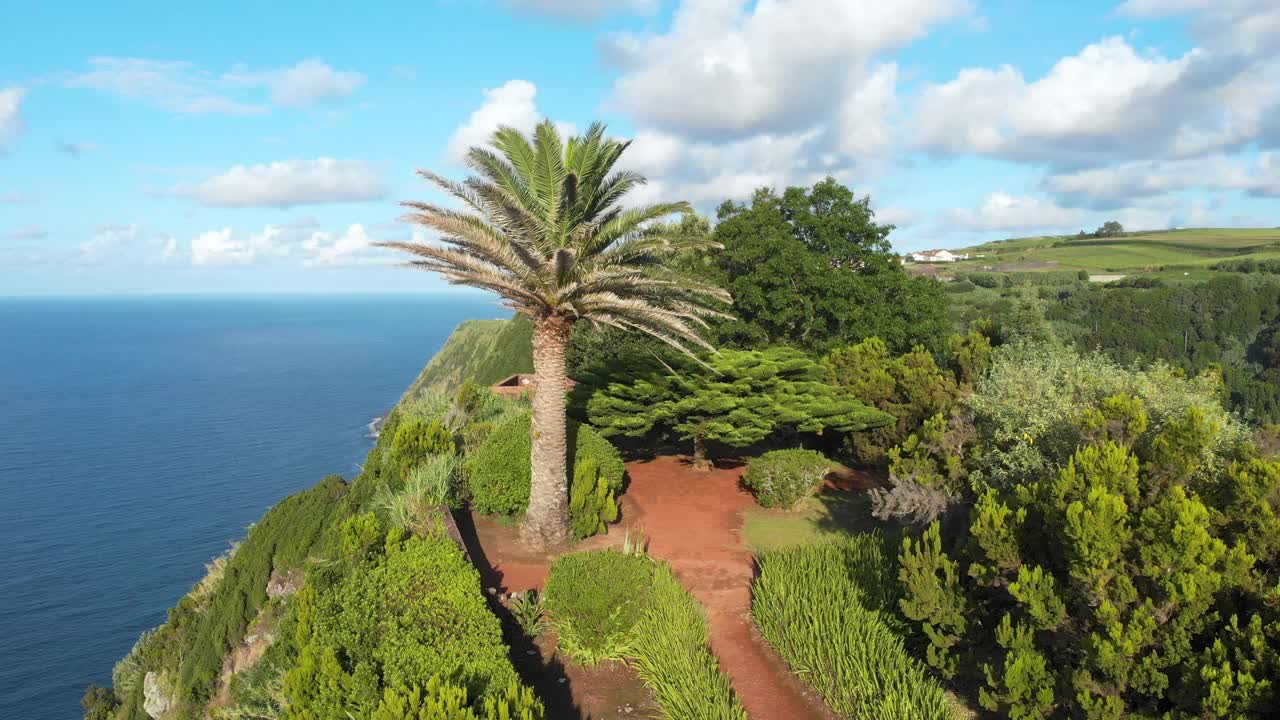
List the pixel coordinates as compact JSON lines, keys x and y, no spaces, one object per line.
{"x":1110,"y":228}
{"x":740,"y":398}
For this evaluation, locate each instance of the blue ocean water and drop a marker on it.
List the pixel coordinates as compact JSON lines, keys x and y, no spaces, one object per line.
{"x":140,"y":436}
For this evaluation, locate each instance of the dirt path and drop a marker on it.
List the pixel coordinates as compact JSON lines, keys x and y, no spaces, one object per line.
{"x":693,"y":520}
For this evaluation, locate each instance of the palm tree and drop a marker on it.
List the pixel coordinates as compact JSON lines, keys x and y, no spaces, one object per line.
{"x":543,"y":227}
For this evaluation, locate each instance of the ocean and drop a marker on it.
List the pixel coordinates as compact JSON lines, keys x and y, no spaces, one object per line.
{"x":139,"y":437}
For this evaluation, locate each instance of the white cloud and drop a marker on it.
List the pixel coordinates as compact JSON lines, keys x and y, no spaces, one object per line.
{"x":352,"y":247}
{"x":217,"y":247}
{"x":106,"y":242}
{"x":306,"y":84}
{"x":166,"y":251}
{"x":1005,"y":212}
{"x":1250,"y":26}
{"x":172,"y":84}
{"x":25,"y":232}
{"x":583,"y":10}
{"x":512,"y":103}
{"x":1118,"y":185}
{"x":732,"y":68}
{"x":288,"y":183}
{"x":183,"y":87}
{"x":11,"y":123}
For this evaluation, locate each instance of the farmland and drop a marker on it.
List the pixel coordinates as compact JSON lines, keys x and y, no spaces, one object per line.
{"x":1172,"y":252}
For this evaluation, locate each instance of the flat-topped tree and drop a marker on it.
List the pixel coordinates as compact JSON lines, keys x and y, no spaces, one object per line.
{"x":541,"y":224}
{"x":739,"y":398}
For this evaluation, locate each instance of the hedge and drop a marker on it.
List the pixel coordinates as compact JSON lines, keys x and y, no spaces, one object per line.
{"x":498,"y":473}
{"x":782,"y":478}
{"x":611,"y":605}
{"x":829,"y":611}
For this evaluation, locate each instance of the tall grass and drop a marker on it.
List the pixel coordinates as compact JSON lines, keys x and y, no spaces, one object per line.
{"x":671,"y":655}
{"x":829,"y":611}
{"x":428,"y":486}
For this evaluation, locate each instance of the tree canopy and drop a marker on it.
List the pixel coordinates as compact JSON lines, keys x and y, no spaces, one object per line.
{"x":739,"y":398}
{"x":812,"y":268}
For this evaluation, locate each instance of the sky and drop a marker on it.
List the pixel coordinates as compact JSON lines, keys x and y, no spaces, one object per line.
{"x":242,"y":147}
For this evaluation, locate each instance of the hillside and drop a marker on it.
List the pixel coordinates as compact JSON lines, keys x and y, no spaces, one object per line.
{"x":479,"y":351}
{"x":1181,"y":253}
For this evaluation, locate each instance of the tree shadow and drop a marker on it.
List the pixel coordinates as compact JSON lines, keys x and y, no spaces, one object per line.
{"x":546,"y":675}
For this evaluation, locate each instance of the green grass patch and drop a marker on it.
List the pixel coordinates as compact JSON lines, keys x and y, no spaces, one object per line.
{"x":828,"y":516}
{"x":478,"y":351}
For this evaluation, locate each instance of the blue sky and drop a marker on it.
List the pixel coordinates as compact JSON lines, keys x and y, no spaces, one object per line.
{"x":250,"y":147}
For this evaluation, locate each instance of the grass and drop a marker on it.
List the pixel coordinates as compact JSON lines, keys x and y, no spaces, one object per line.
{"x":1133,"y":252}
{"x":828,"y":516}
{"x":830,"y":610}
{"x":479,"y":351}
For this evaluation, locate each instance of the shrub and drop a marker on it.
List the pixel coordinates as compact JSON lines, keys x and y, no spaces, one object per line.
{"x":828,"y":611}
{"x":611,"y":605}
{"x":595,"y":599}
{"x":782,"y":478}
{"x":416,"y":440}
{"x":498,"y":473}
{"x":408,"y":616}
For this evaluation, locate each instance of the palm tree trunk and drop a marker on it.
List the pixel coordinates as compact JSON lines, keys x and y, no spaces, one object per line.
{"x":546,"y":522}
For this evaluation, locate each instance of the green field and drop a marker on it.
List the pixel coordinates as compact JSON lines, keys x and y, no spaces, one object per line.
{"x":1172,"y":252}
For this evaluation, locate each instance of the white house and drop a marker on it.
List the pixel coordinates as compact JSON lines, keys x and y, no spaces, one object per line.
{"x":936,"y":256}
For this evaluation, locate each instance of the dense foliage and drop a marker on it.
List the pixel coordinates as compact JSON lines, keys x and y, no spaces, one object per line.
{"x":1110,"y":552}
{"x":407,"y":614}
{"x":621,"y":606}
{"x":829,"y":610}
{"x":782,"y":478}
{"x":812,"y":268}
{"x":737,"y":398}
{"x":498,"y":473}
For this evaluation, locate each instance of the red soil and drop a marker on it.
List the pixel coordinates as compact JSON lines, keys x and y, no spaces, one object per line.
{"x":692,"y":519}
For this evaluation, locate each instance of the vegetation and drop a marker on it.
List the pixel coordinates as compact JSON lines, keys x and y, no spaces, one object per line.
{"x":543,"y":228}
{"x":782,"y":478}
{"x":812,"y":268}
{"x":1106,"y":559}
{"x":737,"y":397}
{"x":625,"y":606}
{"x":829,"y":611}
{"x":482,"y":352}
{"x":499,"y":477}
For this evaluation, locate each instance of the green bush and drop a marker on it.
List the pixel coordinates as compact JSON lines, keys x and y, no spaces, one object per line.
{"x":416,"y":441}
{"x":498,"y":473}
{"x":408,"y":615}
{"x":608,"y":605}
{"x":828,"y":609}
{"x":595,"y":599}
{"x":782,"y":478}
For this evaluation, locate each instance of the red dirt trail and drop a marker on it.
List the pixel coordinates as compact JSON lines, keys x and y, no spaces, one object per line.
{"x":693,"y":520}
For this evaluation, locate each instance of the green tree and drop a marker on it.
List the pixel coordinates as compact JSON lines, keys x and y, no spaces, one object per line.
{"x":738,"y":398}
{"x":416,"y":441}
{"x":99,"y":703}
{"x":812,"y":268}
{"x":542,"y":226}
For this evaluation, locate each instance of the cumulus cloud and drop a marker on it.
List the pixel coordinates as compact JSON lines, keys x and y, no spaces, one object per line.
{"x":165,"y":251}
{"x":288,"y":183}
{"x":732,"y":68}
{"x":512,"y":103}
{"x":218,"y":247}
{"x":583,"y":10}
{"x":11,"y":123}
{"x":1005,"y":212}
{"x":1248,"y":26}
{"x":107,"y":241}
{"x":306,"y":84}
{"x":351,"y":247}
